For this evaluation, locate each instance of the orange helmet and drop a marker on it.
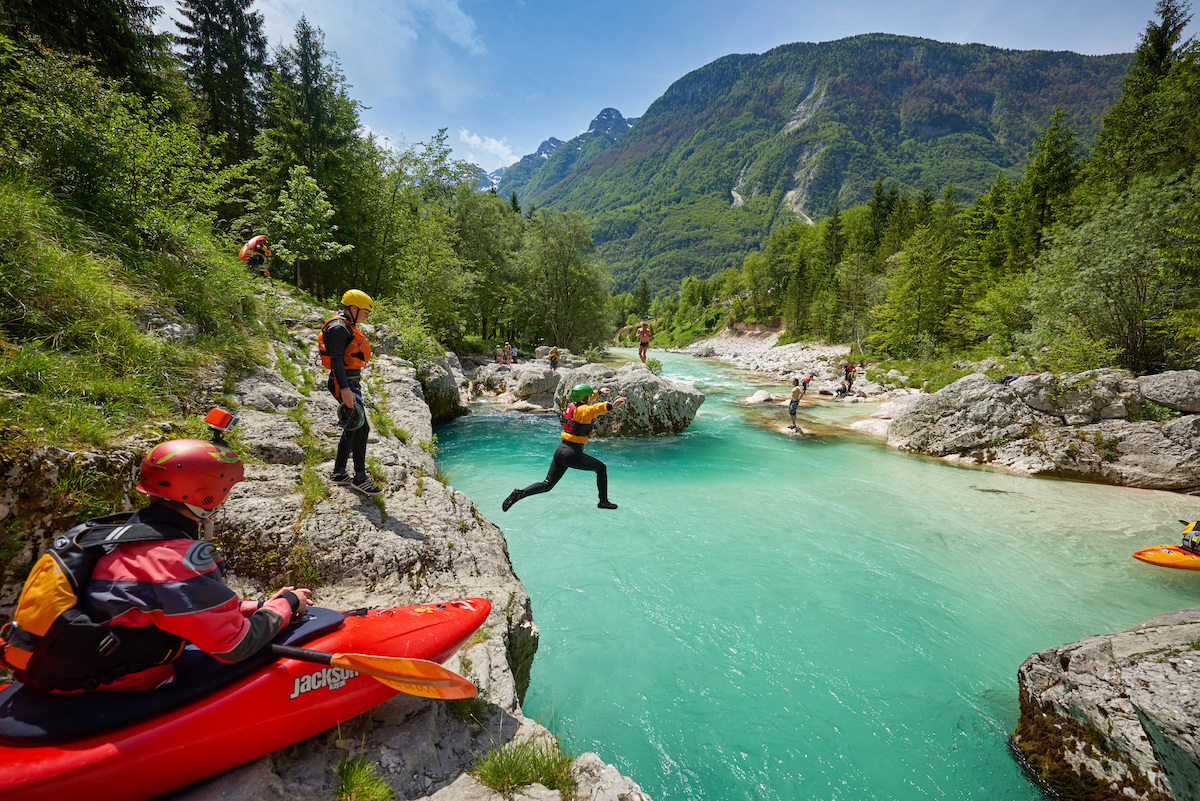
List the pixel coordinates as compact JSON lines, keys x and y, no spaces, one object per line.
{"x":193,"y":472}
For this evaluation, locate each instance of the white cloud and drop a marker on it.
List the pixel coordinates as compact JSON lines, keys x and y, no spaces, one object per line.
{"x":377,"y":25}
{"x":487,"y":152}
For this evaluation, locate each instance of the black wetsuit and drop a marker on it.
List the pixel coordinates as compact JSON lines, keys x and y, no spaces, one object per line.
{"x":353,"y":443}
{"x":570,"y":454}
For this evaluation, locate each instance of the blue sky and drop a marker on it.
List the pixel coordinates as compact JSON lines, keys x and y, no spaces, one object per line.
{"x":504,"y":75}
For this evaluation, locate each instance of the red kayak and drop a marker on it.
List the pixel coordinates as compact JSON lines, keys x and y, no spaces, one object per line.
{"x":133,"y":746}
{"x":248,"y":248}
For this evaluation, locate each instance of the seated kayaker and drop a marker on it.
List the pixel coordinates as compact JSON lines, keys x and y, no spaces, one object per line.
{"x":157,"y":592}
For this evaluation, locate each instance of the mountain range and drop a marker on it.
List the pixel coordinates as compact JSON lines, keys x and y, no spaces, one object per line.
{"x":749,"y":142}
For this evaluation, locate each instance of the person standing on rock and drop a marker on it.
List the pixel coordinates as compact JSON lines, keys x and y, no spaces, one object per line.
{"x":508,"y":353}
{"x":554,"y":357}
{"x":644,"y":336}
{"x":794,"y":403}
{"x":577,"y":427}
{"x":344,"y":351}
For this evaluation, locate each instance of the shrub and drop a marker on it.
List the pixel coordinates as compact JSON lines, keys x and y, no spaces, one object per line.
{"x":358,"y":780}
{"x":510,"y":767}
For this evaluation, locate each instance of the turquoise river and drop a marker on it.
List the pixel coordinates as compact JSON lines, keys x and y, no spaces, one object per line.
{"x":774,"y":617}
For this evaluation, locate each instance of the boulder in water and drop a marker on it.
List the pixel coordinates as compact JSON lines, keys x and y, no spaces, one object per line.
{"x":653,"y":404}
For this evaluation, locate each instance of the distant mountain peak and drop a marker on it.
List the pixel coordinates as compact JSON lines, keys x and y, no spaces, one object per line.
{"x":547,"y":148}
{"x":609,"y":121}
{"x":555,"y":159}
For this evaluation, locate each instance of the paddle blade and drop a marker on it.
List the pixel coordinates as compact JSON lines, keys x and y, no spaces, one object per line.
{"x":413,"y":676}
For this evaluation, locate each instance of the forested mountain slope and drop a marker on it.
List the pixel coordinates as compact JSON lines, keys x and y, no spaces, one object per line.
{"x":747,"y":141}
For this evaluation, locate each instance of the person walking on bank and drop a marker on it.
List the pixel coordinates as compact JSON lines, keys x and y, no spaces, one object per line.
{"x":644,"y":336}
{"x":577,"y":426}
{"x":344,"y":351}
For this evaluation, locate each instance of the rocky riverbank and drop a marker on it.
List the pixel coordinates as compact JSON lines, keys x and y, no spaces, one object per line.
{"x":757,"y":352}
{"x":421,"y":541}
{"x":1116,"y":716}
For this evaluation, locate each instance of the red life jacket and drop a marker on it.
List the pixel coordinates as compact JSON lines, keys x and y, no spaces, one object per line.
{"x":575,"y":429}
{"x":358,"y":352}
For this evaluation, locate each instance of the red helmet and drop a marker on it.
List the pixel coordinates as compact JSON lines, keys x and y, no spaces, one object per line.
{"x":191,"y":471}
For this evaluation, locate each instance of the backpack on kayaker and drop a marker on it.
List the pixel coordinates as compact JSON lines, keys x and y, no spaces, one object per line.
{"x":1191,"y":539}
{"x":52,"y":642}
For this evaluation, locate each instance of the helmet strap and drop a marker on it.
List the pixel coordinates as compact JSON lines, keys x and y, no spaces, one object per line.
{"x":201,"y":512}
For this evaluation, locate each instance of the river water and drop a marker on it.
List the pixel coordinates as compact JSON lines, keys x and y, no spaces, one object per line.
{"x":774,"y":617}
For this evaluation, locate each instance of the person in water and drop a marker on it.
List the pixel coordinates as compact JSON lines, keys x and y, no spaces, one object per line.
{"x":794,"y":403}
{"x":157,"y":595}
{"x":577,"y":426}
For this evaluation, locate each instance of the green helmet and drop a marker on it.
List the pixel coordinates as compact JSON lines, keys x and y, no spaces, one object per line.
{"x":580,"y":393}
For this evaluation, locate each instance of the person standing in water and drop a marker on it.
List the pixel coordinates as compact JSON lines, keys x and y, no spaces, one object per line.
{"x":577,"y":426}
{"x":794,"y":403}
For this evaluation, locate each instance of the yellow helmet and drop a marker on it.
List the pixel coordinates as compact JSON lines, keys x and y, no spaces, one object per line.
{"x":356,"y":297}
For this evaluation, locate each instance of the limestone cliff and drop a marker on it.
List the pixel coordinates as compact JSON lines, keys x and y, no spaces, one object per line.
{"x":420,"y":541}
{"x":1116,"y":716}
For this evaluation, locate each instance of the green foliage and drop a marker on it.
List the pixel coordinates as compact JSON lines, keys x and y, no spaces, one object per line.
{"x":508,"y":768}
{"x":1101,"y":285}
{"x":225,"y":51}
{"x":71,"y":345}
{"x":565,"y":289}
{"x":1149,"y":410}
{"x":359,"y":780}
{"x":821,"y":120}
{"x":124,"y":161}
{"x":301,"y":230}
{"x":654,"y":365}
{"x":117,"y":36}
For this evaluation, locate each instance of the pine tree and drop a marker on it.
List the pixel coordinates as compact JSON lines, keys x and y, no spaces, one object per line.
{"x":225,"y":52}
{"x":641,"y":298}
{"x":1133,"y":139}
{"x":116,"y":34}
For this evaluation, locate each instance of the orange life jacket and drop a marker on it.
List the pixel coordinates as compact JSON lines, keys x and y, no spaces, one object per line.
{"x":358,"y":352}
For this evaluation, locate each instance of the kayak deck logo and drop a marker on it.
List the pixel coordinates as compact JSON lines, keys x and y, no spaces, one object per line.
{"x":330,"y":678}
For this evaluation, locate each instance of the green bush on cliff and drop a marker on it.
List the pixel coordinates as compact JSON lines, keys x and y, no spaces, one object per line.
{"x":74,"y":353}
{"x":508,"y":768}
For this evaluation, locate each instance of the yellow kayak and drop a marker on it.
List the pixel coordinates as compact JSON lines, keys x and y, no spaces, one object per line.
{"x":1169,"y":556}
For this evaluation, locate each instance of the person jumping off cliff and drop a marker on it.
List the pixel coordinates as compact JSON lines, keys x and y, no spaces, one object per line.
{"x":577,"y":426}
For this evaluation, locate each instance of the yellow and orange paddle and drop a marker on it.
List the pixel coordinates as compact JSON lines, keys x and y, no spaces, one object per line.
{"x":413,"y":676}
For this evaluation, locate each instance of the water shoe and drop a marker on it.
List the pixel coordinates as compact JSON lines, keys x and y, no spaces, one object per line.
{"x":366,"y":486}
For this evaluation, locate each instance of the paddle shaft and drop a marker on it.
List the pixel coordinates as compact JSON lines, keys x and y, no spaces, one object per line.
{"x":300,"y":654}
